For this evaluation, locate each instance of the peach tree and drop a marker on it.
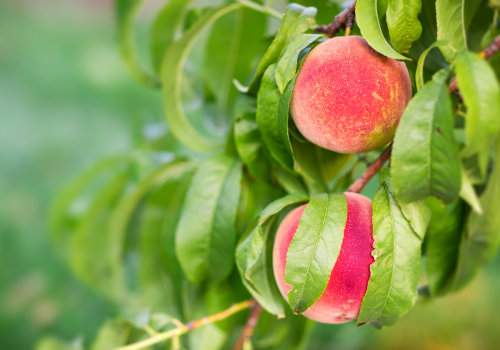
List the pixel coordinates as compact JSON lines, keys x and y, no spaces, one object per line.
{"x":260,"y":98}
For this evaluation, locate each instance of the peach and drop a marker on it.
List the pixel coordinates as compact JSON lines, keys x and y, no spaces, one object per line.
{"x":341,"y":300}
{"x":347,"y":97}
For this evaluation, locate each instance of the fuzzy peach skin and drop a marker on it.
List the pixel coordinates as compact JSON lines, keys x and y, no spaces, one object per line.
{"x":341,"y":300}
{"x":347,"y":97}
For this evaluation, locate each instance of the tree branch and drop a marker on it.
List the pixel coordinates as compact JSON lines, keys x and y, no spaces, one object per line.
{"x":343,"y":20}
{"x":184,"y":328}
{"x":249,"y":327}
{"x":358,"y":185}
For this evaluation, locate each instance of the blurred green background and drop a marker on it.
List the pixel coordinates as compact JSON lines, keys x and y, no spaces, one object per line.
{"x":65,"y":101}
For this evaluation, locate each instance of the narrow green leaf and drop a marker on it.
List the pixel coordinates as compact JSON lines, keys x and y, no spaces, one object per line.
{"x":468,"y":193}
{"x":206,"y":234}
{"x":122,"y":214}
{"x":113,"y":334}
{"x":254,"y":257}
{"x":392,"y":288}
{"x":286,"y":67}
{"x":166,"y":26}
{"x":442,"y":243}
{"x":481,"y":238}
{"x":450,"y":17}
{"x":70,"y":204}
{"x":272,"y":118}
{"x":318,"y":166}
{"x":314,"y":249}
{"x":248,"y":138}
{"x":171,"y":74}
{"x":232,"y":48}
{"x":402,"y":21}
{"x":160,"y":275}
{"x":481,"y":93}
{"x":297,"y":19}
{"x":125,"y":12}
{"x":368,"y":20}
{"x":425,"y":158}
{"x":419,"y":74}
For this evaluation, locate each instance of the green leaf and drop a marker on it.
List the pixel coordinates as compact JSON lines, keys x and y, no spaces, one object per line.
{"x":468,"y":193}
{"x":122,"y":214}
{"x":254,"y":257}
{"x":126,"y":11}
{"x":419,"y":74}
{"x":68,"y":209}
{"x":392,"y":288}
{"x":91,"y":243}
{"x":450,"y":15}
{"x":425,"y":158}
{"x":232,"y":48}
{"x":481,"y":237}
{"x":53,"y":343}
{"x":115,"y":333}
{"x":272,"y":118}
{"x":286,"y":67}
{"x":206,"y":234}
{"x":481,"y":93}
{"x":297,"y":19}
{"x":318,"y":166}
{"x":160,"y":276}
{"x":171,"y":74}
{"x":248,"y":138}
{"x":166,"y":25}
{"x":402,"y":21}
{"x":314,"y":249}
{"x":442,"y":243}
{"x":367,"y":18}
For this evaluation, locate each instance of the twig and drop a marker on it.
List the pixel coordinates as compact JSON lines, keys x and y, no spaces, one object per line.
{"x":343,"y":20}
{"x":182,"y":329}
{"x":489,"y":51}
{"x":358,"y":185}
{"x":249,"y":327}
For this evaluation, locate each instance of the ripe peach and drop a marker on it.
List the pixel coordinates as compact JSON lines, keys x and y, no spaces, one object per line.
{"x":347,"y":97}
{"x":341,"y":300}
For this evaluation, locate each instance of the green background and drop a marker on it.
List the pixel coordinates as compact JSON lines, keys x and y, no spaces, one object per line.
{"x":65,"y":101}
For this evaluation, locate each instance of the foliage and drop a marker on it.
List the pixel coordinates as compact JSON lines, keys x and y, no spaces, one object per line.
{"x":187,"y":231}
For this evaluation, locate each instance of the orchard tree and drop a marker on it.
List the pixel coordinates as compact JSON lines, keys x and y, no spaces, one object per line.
{"x":305,"y":172}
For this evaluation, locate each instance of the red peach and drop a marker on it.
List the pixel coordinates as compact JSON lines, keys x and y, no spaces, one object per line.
{"x":347,"y":97}
{"x":341,"y":300}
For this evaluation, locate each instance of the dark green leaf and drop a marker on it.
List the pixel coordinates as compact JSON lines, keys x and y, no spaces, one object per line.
{"x":172,"y":72}
{"x":314,"y":249}
{"x":254,"y":257}
{"x":297,"y":19}
{"x":425,"y":158}
{"x":450,"y":16}
{"x":368,"y":20}
{"x":248,"y":138}
{"x":167,"y":24}
{"x":402,"y":21}
{"x":481,"y":93}
{"x":287,"y":65}
{"x":272,"y":118}
{"x":442,"y":242}
{"x":481,"y":237}
{"x":392,"y":288}
{"x":206,"y":234}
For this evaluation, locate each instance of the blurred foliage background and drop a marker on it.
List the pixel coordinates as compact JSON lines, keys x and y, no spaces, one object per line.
{"x":65,"y":101}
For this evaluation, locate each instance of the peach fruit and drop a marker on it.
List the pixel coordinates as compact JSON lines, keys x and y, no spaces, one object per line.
{"x":347,"y":97}
{"x":341,"y":300}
